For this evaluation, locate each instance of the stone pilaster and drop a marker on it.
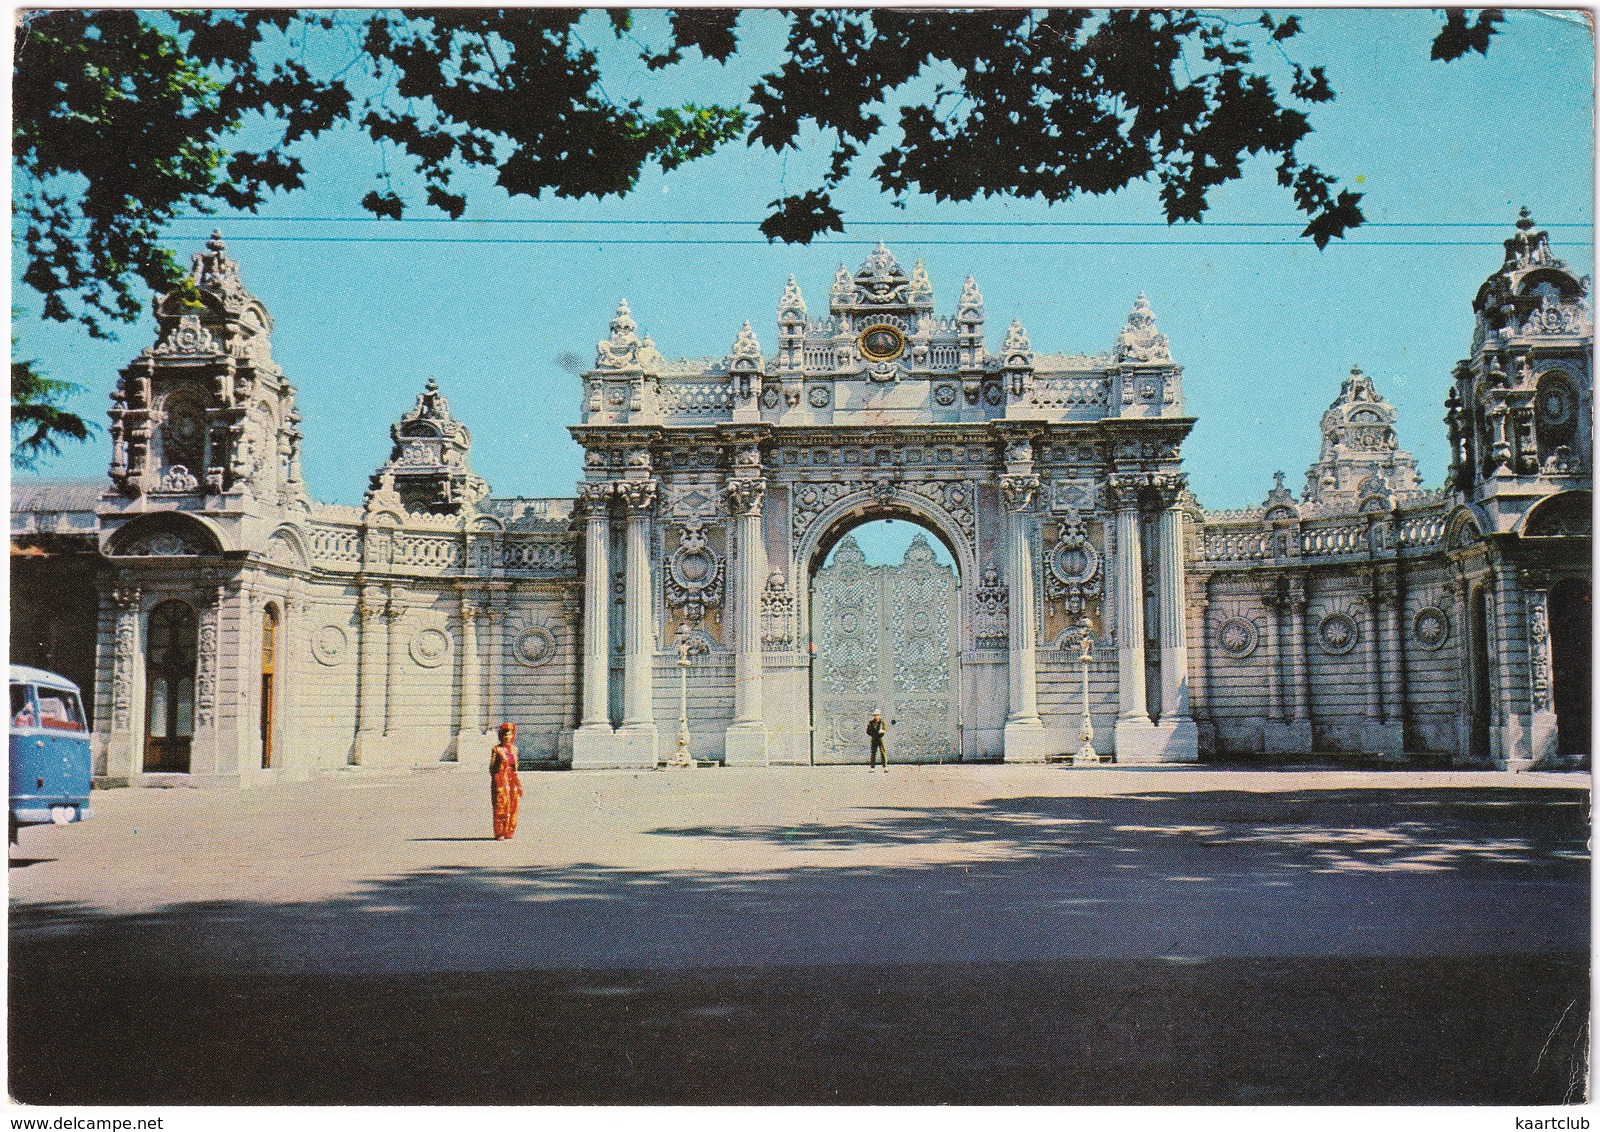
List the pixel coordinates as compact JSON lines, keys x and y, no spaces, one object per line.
{"x":592,"y":741}
{"x":1024,"y":731}
{"x":1136,"y":736}
{"x":469,"y":717}
{"x":638,"y":730}
{"x":1298,"y":737}
{"x":371,"y":687}
{"x":1384,"y":733}
{"x":1272,"y":602}
{"x":745,"y":742}
{"x":1180,"y":739}
{"x":1543,"y":735}
{"x":124,"y":757}
{"x":394,"y":611}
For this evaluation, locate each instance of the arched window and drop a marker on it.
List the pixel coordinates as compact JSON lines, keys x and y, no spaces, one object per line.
{"x":169,"y":667}
{"x":269,"y":669}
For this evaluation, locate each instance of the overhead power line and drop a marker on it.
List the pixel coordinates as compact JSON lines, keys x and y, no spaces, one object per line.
{"x":750,"y":223}
{"x":635,"y":241}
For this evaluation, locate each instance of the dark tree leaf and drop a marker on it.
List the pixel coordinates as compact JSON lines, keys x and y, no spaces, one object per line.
{"x":1461,"y":35}
{"x":801,"y":219}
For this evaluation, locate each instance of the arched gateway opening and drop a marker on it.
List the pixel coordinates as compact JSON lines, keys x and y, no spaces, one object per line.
{"x":885,"y":636}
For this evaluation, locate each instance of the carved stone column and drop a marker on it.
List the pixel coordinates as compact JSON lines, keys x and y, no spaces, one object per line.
{"x":469,"y":716}
{"x":592,"y":741}
{"x":494,"y":683}
{"x":123,"y":754}
{"x":1180,"y":739}
{"x":372,"y":664}
{"x":746,"y":738}
{"x":1024,"y":731}
{"x":638,"y":731}
{"x":1299,"y":667}
{"x":1271,"y":600}
{"x":1136,"y":735}
{"x":394,"y":611}
{"x":1543,"y":737}
{"x":1394,"y":661}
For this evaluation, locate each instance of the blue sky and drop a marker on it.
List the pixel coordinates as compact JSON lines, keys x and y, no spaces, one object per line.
{"x":1265,"y":333}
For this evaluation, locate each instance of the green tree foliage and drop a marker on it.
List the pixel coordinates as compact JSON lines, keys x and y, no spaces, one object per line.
{"x":126,"y":119}
{"x":38,"y":423}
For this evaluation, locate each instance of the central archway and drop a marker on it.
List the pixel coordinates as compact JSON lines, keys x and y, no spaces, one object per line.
{"x":884,"y":605}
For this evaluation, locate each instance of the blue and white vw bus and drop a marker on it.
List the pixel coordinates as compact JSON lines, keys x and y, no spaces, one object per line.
{"x":50,"y":765}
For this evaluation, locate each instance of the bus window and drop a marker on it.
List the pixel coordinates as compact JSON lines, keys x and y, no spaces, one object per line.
{"x":59,"y":709}
{"x":22,"y":707}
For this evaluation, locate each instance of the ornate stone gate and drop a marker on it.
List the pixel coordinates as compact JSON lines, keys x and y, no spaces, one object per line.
{"x":885,"y":641}
{"x":713,"y":488}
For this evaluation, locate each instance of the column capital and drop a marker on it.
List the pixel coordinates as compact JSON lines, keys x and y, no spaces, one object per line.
{"x":1296,"y":591}
{"x":638,"y":496}
{"x":745,"y":496}
{"x":126,"y":596}
{"x":1019,"y":492}
{"x":1123,"y":489}
{"x":1168,"y":488}
{"x":595,"y":496}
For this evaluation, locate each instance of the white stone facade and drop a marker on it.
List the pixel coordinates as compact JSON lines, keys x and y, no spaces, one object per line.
{"x":1369,"y":615}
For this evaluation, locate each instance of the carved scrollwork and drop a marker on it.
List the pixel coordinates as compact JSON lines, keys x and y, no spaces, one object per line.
{"x":777,"y":614}
{"x":745,"y":496}
{"x":1019,"y":492}
{"x":637,"y":496}
{"x":694,"y":573}
{"x":991,"y":611}
{"x":1072,"y":566}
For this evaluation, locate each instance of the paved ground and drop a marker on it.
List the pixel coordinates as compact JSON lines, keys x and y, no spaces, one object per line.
{"x":934,"y":935}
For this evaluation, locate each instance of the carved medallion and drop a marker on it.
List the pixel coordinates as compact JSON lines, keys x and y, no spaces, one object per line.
{"x":430,"y":648}
{"x":1237,"y":637}
{"x":881,"y":342}
{"x":944,"y":394}
{"x":534,"y":646}
{"x":1431,"y":627}
{"x":1338,"y":633}
{"x":818,"y":396}
{"x":328,"y":645}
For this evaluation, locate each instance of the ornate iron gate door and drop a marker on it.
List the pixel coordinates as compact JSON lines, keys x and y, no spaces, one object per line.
{"x":885,"y":639}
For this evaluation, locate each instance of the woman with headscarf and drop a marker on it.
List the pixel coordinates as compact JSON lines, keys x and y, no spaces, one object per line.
{"x":505,"y":788}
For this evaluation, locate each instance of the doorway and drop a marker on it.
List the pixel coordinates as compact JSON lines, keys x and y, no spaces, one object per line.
{"x":885,"y":635}
{"x":170,"y":668}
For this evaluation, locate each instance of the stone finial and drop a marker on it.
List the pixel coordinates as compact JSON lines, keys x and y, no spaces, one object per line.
{"x":1530,"y":247}
{"x":1358,"y":442}
{"x":746,"y":345}
{"x":921,"y":293}
{"x":1280,"y":503}
{"x":620,"y":349}
{"x":792,"y":306}
{"x":844,"y":288}
{"x":1140,"y":341}
{"x":1016,"y":339}
{"x":214,"y":270}
{"x":970,"y":306}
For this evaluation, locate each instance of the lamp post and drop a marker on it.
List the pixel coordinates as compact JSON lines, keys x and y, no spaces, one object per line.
{"x":681,"y":757}
{"x":1086,"y":752}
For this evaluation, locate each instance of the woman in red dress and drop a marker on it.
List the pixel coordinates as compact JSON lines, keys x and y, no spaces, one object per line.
{"x":505,"y":788}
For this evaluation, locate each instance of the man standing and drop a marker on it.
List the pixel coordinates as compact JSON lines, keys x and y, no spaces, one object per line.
{"x":875,"y":730}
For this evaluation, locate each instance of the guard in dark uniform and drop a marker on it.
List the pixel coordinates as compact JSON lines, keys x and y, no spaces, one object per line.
{"x":875,"y":729}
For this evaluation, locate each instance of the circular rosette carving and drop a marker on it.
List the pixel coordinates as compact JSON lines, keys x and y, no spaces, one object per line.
{"x":818,"y":396}
{"x":1431,"y":627}
{"x":1338,"y":633}
{"x":534,"y":646}
{"x":945,"y":395}
{"x":328,"y":645}
{"x":1237,"y":637}
{"x":430,"y":647}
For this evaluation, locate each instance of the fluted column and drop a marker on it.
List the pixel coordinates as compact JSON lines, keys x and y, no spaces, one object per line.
{"x":1136,"y":735}
{"x":1389,"y":601}
{"x":638,"y":711}
{"x":746,"y":739}
{"x":1024,"y":731}
{"x":1180,"y":738}
{"x":1300,"y":692}
{"x":1272,"y":601}
{"x":594,"y":742}
{"x":394,"y":611}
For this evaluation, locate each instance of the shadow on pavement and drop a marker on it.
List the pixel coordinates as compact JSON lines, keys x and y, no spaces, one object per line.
{"x":1398,"y":947}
